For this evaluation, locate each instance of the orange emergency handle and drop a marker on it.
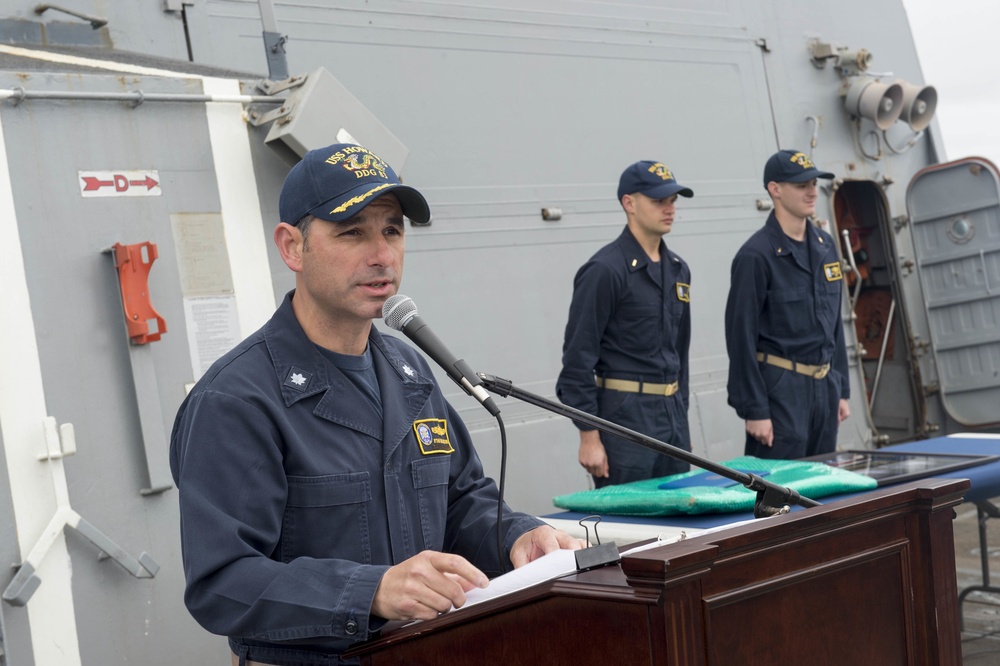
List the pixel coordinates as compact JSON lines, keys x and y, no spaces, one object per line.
{"x":133,"y":263}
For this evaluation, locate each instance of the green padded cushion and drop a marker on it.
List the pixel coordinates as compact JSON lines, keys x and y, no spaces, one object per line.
{"x":646,"y":498}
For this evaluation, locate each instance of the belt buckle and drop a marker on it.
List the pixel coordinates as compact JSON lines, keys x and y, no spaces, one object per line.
{"x":823,"y":371}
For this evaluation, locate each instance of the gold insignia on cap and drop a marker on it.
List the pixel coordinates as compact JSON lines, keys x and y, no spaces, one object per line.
{"x":661,"y":171}
{"x":358,"y":199}
{"x":802,"y":160}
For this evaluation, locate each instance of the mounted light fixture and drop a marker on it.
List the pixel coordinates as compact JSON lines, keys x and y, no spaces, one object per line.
{"x":95,"y":21}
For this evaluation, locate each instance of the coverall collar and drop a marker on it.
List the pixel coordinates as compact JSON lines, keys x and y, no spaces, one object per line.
{"x":302,"y":371}
{"x":808,"y":258}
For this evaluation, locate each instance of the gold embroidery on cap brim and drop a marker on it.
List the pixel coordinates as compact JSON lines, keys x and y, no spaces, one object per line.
{"x":358,"y":199}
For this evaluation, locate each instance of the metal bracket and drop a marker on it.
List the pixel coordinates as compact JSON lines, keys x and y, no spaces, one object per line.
{"x":132,"y":264}
{"x":257,"y":118}
{"x":59,"y":444}
{"x":274,"y":50}
{"x":820,"y":52}
{"x":269,"y":87}
{"x":899,"y":222}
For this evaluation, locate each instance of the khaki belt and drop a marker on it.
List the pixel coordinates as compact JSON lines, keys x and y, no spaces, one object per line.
{"x":814,"y":371}
{"x":236,"y":662}
{"x":629,"y":386}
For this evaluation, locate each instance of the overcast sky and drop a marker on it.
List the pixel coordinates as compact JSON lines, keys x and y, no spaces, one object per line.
{"x":954,"y":41}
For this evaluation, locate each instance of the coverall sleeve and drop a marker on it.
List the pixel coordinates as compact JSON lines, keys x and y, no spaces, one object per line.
{"x":747,"y":295}
{"x":595,"y":295}
{"x":683,"y":349}
{"x":227,"y":463}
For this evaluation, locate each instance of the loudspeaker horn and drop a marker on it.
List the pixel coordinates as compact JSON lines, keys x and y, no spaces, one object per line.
{"x":919,"y":104}
{"x":876,"y":101}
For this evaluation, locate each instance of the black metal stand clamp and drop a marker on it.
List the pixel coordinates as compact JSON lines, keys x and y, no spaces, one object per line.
{"x":772,"y":499}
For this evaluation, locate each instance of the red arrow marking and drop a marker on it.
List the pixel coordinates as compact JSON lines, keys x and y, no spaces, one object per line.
{"x":95,"y":184}
{"x":148,"y":182}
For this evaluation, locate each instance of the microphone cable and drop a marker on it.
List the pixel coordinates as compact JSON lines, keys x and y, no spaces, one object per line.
{"x":500,"y":487}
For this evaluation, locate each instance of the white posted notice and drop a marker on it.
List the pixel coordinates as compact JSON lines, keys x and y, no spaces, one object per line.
{"x":212,"y":329}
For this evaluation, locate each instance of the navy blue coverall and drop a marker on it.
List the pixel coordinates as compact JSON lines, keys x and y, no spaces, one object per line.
{"x":296,"y":495}
{"x":630,"y":318}
{"x":785,"y":300}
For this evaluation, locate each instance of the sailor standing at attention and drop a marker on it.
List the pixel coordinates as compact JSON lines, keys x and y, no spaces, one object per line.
{"x":625,"y":351}
{"x":784,"y":333}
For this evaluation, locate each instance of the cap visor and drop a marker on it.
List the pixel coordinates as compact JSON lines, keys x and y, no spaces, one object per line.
{"x":809,"y":174}
{"x":668,"y":190}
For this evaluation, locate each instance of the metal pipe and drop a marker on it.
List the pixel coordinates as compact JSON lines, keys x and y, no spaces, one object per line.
{"x":267,"y":16}
{"x":274,"y":43}
{"x":881,"y":354}
{"x":849,"y":251}
{"x":136,"y":97}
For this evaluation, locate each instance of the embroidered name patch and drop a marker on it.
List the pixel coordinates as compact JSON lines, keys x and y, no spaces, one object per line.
{"x":432,"y":436}
{"x":833,"y":272}
{"x":683,"y":292}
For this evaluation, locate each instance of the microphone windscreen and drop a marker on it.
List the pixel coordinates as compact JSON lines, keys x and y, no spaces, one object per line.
{"x":397,"y":311}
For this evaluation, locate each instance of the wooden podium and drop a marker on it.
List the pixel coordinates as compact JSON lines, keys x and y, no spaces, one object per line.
{"x":868,"y":580}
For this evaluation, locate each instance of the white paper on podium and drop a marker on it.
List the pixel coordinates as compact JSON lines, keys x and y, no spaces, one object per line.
{"x":556,"y":564}
{"x":553,"y":565}
{"x":562,"y":563}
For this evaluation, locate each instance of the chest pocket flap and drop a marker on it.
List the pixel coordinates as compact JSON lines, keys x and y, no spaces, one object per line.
{"x":431,"y":472}
{"x":330,"y":490}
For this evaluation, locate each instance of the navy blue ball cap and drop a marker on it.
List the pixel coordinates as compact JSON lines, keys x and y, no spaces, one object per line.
{"x":336,"y":183}
{"x":652,"y":179}
{"x":791,"y":166}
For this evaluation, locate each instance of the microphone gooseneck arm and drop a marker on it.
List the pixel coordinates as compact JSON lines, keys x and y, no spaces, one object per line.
{"x":456,"y":368}
{"x":400,"y":313}
{"x":771,"y":498}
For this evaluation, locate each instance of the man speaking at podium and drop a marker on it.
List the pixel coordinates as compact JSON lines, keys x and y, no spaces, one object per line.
{"x":311,"y":508}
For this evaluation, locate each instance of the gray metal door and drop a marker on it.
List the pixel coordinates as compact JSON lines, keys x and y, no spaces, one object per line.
{"x":955,"y":212}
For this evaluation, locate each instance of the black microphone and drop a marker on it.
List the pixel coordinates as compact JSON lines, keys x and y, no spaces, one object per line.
{"x":400,"y":314}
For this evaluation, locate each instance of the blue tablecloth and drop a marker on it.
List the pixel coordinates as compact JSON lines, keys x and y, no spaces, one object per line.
{"x":985,"y":480}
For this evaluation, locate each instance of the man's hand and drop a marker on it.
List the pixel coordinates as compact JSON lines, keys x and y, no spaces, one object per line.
{"x":761,"y":430}
{"x":592,"y":455}
{"x":424,"y":585}
{"x":843,"y":410}
{"x":539,"y":541}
